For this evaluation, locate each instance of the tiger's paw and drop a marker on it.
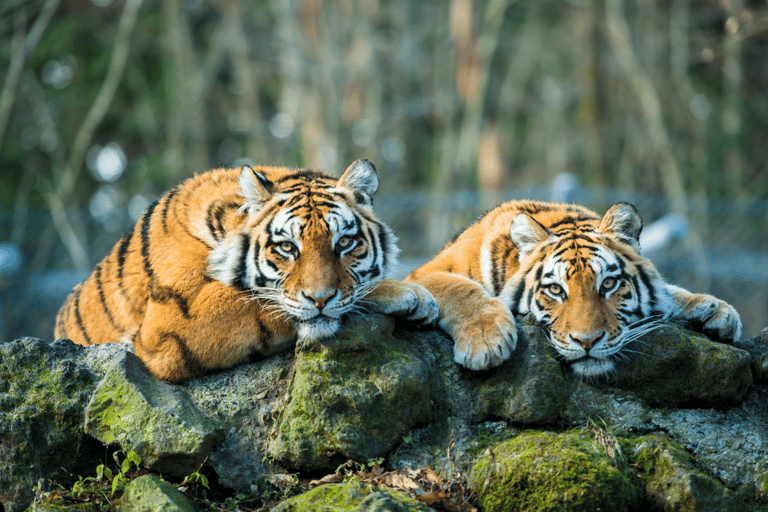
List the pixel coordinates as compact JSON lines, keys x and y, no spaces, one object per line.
{"x":410,"y":301}
{"x":486,"y":337}
{"x":716,"y":318}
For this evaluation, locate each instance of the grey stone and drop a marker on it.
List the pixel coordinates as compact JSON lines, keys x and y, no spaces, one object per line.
{"x":43,"y":393}
{"x":352,"y":398}
{"x":149,"y":493}
{"x":155,"y":419}
{"x":529,"y":388}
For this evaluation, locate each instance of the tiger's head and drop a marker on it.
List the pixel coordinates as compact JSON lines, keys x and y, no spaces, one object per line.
{"x":310,"y":245}
{"x":584,"y":279}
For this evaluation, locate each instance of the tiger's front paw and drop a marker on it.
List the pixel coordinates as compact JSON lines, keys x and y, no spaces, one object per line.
{"x":717,"y":318}
{"x":409,"y":301}
{"x":486,"y":337}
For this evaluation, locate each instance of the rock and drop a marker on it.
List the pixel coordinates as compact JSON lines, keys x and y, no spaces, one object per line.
{"x":548,"y":471}
{"x":149,"y":493}
{"x":529,"y":388}
{"x":245,"y":399}
{"x":155,"y":419}
{"x":42,"y":399}
{"x":351,"y":497}
{"x":352,"y":398}
{"x":672,"y":481}
{"x":758,"y":350}
{"x":672,"y":367}
{"x":731,"y":445}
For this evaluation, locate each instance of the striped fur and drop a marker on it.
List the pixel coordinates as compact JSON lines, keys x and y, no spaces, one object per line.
{"x":580,"y":275}
{"x":234,"y":264}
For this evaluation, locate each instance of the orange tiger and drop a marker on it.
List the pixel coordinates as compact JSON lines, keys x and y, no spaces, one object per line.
{"x":235,"y":264}
{"x":581,"y":276}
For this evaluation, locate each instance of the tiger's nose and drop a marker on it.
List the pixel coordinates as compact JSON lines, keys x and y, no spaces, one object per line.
{"x":587,"y":340}
{"x":320,"y":298}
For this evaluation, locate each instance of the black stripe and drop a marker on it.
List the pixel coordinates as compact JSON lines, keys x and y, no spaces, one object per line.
{"x":241,"y":282}
{"x":122,"y":251}
{"x":165,"y":294}
{"x":647,"y":282}
{"x":168,"y":197}
{"x":103,"y":299}
{"x":191,"y":363}
{"x":145,"y":240}
{"x":79,"y":318}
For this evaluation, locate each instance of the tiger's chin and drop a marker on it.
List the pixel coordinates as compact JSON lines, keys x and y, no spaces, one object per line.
{"x":319,"y":328}
{"x":590,"y":367}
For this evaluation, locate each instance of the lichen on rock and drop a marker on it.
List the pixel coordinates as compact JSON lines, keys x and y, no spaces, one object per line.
{"x":673,"y":482}
{"x":352,"y":398}
{"x":351,"y":497}
{"x":539,"y":470}
{"x":43,"y":393}
{"x":155,"y":419}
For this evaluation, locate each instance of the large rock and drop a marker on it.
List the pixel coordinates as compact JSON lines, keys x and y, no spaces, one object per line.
{"x":352,"y":398}
{"x":672,"y":367}
{"x":529,"y":388}
{"x":673,"y":482}
{"x":246,"y":399}
{"x":157,"y":420}
{"x":42,"y":400}
{"x":539,"y":471}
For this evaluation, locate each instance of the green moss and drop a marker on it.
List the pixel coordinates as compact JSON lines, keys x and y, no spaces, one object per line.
{"x":671,"y":479}
{"x":545,"y":471}
{"x":351,"y":399}
{"x":350,"y":497}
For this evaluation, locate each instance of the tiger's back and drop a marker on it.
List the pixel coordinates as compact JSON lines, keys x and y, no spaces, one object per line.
{"x":165,"y":258}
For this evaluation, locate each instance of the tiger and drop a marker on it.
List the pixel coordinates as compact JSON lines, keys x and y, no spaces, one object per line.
{"x":234,"y":265}
{"x":581,"y":277}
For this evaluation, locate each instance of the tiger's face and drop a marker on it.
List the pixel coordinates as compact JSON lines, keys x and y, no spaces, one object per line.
{"x":310,"y":247}
{"x":586,"y":283}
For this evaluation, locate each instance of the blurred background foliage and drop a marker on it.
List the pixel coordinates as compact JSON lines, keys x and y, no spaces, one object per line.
{"x":461,"y":104}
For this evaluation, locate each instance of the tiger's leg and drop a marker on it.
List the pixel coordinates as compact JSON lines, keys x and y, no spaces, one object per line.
{"x":410,"y":301}
{"x":213,"y":329}
{"x":717,"y":318}
{"x":482,"y":327}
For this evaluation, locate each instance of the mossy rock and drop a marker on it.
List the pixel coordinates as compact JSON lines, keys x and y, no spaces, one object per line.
{"x":672,"y":480}
{"x":673,"y":367}
{"x":351,"y":497}
{"x":540,"y":471}
{"x":529,"y":388}
{"x":150,"y":493}
{"x":157,"y":420}
{"x":758,"y":350}
{"x":352,"y":398}
{"x":43,"y":393}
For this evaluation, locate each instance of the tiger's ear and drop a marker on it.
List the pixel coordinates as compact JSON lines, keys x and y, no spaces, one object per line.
{"x":254,"y":187}
{"x":361,"y":179}
{"x":623,"y":221}
{"x":526,"y":234}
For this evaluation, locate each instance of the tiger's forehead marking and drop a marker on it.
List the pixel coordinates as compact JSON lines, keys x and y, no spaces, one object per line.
{"x":574,"y":258}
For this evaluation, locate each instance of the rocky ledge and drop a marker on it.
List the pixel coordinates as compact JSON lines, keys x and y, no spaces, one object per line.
{"x":394,"y":423}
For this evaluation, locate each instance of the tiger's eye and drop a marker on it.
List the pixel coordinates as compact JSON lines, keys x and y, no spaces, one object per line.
{"x":344,"y":242}
{"x":608,"y":284}
{"x":555,"y":289}
{"x":287,"y":246}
